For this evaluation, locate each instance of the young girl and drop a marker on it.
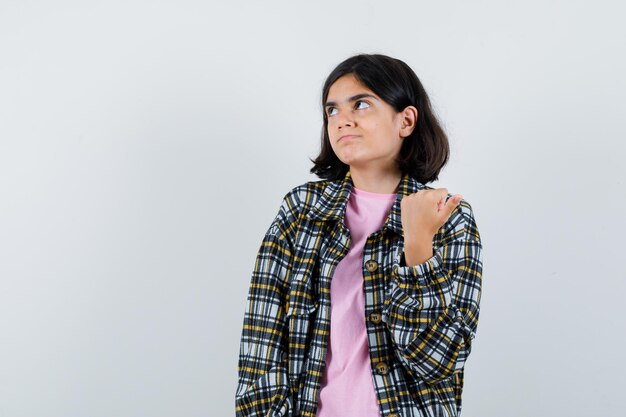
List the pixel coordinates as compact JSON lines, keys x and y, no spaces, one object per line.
{"x":365,"y":294}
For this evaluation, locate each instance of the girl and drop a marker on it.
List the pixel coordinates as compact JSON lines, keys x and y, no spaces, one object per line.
{"x":365,"y":294}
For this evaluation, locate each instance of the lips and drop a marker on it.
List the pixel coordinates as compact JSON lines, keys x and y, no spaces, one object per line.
{"x":347,"y":137}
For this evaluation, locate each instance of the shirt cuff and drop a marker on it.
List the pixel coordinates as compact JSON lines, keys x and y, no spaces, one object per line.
{"x":426,"y":271}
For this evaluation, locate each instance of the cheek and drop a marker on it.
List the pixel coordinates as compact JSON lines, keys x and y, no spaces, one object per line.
{"x":330,"y":127}
{"x":379,"y":129}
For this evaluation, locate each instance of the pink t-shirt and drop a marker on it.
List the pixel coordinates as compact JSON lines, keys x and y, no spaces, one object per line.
{"x":347,"y":385}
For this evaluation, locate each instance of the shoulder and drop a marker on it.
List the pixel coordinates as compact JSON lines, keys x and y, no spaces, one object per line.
{"x":295,"y":203}
{"x":302,"y":197}
{"x":461,"y":221}
{"x":309,"y":189}
{"x":463,"y":212}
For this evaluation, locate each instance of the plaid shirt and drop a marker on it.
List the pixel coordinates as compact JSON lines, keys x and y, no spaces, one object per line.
{"x":420,"y":319}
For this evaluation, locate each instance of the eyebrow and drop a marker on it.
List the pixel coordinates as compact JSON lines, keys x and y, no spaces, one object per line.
{"x":353,"y":98}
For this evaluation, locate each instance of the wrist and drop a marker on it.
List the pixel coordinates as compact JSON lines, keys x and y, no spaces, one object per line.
{"x":416,"y":241}
{"x":418,"y":251}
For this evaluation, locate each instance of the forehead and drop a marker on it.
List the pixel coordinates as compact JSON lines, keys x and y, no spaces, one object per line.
{"x":346,"y":86}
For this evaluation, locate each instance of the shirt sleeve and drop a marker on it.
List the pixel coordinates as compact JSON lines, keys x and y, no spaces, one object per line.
{"x":263,"y":388}
{"x":431,"y":310}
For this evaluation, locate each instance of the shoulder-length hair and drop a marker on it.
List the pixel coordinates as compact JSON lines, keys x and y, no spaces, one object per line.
{"x":424,"y":152}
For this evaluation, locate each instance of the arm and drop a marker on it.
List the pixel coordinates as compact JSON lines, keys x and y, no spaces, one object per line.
{"x":263,"y":387}
{"x":431,"y":309}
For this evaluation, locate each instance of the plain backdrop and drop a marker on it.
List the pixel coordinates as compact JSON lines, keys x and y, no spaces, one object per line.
{"x":145,"y":147}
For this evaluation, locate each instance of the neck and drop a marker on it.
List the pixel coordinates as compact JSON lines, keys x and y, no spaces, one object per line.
{"x":376,"y":181}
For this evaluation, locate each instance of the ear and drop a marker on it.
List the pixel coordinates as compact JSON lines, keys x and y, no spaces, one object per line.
{"x":408,"y":120}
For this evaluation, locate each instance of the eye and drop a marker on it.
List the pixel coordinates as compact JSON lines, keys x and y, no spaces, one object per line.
{"x":364,"y":102}
{"x":328,"y":110}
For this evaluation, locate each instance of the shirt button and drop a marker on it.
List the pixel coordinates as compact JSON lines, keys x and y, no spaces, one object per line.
{"x":382,"y":368}
{"x":371,"y":265}
{"x":375,"y":318}
{"x":283,"y":356}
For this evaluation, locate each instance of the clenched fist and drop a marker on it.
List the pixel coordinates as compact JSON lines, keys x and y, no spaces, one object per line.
{"x":423,"y":213}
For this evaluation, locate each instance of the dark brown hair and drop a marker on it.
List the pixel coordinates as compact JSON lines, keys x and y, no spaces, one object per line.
{"x":424,"y":152}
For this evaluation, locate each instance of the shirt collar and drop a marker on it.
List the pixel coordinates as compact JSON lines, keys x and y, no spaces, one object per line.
{"x":332,"y":204}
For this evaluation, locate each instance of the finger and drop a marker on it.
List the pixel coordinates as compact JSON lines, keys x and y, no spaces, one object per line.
{"x":441,"y":204}
{"x":453,"y":202}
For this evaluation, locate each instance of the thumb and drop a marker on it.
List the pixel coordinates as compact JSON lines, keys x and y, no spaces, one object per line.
{"x":453,"y":202}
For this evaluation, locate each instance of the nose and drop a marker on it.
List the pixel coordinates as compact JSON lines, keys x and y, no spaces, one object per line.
{"x":344,"y":119}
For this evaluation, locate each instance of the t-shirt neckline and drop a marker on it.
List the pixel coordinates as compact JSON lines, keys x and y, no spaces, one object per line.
{"x":368,"y":194}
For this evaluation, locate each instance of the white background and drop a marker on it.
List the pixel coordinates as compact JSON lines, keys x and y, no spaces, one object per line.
{"x":145,"y":148}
